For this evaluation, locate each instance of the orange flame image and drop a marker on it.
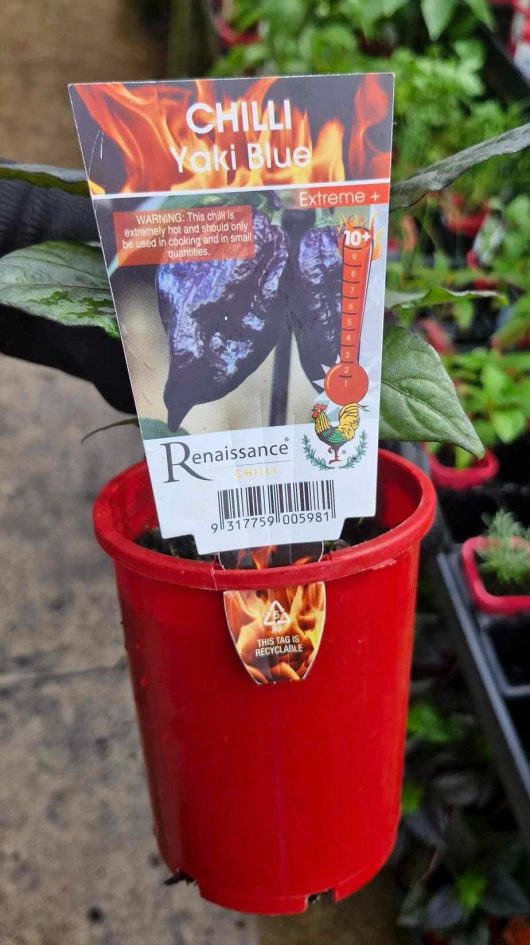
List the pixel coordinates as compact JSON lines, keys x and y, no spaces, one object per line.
{"x":356,"y":221}
{"x":256,"y":558}
{"x":147,"y":123}
{"x":277,"y":632}
{"x":271,"y":556}
{"x":370,"y":108}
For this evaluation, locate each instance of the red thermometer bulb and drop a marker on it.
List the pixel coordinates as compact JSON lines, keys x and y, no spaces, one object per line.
{"x":347,"y":382}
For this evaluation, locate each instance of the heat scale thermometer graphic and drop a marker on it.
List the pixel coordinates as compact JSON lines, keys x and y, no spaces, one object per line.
{"x":347,"y":382}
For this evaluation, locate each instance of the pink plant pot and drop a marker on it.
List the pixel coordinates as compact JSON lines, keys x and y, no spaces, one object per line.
{"x":501,"y":605}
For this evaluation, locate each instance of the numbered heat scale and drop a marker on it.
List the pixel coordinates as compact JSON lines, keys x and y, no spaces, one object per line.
{"x":347,"y":382}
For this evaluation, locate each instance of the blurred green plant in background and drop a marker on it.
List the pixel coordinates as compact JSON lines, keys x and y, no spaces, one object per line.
{"x":333,"y":35}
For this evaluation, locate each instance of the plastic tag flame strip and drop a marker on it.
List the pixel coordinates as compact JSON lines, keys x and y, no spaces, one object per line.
{"x":276,"y":632}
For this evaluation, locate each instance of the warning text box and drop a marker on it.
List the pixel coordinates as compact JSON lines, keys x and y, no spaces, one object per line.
{"x":194,"y":234}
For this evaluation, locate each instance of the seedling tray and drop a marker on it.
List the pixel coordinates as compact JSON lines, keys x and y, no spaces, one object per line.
{"x":502,"y":719}
{"x":514,"y":461}
{"x":497,"y":635}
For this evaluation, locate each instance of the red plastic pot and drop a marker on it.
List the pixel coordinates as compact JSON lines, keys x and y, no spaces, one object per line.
{"x":268,"y":795}
{"x":230,"y":37}
{"x":506,"y":604}
{"x":458,"y":220}
{"x":447,"y":477}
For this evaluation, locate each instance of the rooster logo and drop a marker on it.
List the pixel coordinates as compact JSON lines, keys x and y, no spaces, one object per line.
{"x":343,"y":432}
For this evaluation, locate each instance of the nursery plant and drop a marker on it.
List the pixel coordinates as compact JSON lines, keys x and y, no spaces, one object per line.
{"x":514,"y":327}
{"x":301,"y":36}
{"x":458,"y":856}
{"x":497,"y":566}
{"x":454,"y":114}
{"x":449,"y":86}
{"x":65,"y":283}
{"x":505,"y":557}
{"x":495,"y":392}
{"x":416,"y":289}
{"x":478,"y":119}
{"x":468,"y":881}
{"x":505,"y":254}
{"x":447,"y":80}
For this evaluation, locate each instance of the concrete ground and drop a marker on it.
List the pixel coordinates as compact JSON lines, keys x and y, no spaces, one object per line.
{"x":78,"y":863}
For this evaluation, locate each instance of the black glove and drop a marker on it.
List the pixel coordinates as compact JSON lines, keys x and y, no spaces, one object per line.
{"x":31,"y":215}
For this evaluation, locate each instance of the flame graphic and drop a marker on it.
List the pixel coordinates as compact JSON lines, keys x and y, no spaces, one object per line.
{"x":378,"y":245}
{"x":354,"y":221}
{"x":370,"y":108}
{"x":246,"y":613}
{"x":266,"y":557}
{"x":146,"y":121}
{"x":257,"y":558}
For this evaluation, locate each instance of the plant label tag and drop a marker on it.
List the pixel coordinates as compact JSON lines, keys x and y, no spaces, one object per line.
{"x":244,"y":228}
{"x":277,"y":632}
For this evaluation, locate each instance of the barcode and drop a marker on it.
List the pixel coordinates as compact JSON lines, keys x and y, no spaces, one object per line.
{"x":276,"y":500}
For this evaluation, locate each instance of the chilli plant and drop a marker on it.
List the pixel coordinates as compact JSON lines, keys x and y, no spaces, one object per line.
{"x":64,"y":284}
{"x":458,"y":857}
{"x":302,"y":36}
{"x":506,"y":254}
{"x":415,"y":288}
{"x":494,"y":390}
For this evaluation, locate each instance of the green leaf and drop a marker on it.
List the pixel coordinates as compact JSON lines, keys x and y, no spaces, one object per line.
{"x":517,"y":361}
{"x":411,"y":797}
{"x":435,"y":295}
{"x":463,"y":459}
{"x":482,"y":11}
{"x":418,"y":398}
{"x":408,"y":192}
{"x":73,"y":182}
{"x":437,"y":15}
{"x":392,"y":6}
{"x":486,"y":432}
{"x":494,"y":380}
{"x":63,"y":281}
{"x":425,"y":721}
{"x":154,"y":429}
{"x":508,"y":424}
{"x":470,"y":888}
{"x":464,"y":314}
{"x":514,"y":331}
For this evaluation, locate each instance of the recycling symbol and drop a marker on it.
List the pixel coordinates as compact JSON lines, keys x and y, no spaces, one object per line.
{"x":276,"y":616}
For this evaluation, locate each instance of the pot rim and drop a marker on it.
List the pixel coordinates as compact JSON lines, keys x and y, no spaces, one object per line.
{"x":448,"y":477}
{"x":374,"y":553}
{"x":501,"y":604}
